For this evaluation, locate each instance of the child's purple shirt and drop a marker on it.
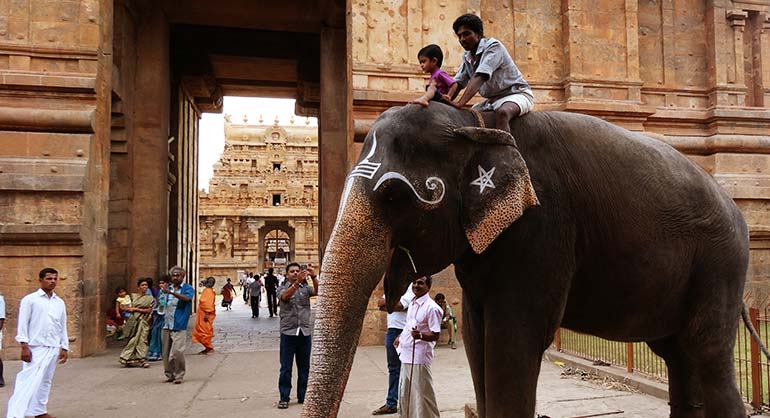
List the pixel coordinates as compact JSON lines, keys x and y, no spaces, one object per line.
{"x":443,"y":81}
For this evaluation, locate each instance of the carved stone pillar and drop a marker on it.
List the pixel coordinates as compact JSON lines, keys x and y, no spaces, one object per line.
{"x":764,"y":60}
{"x":737,"y":19}
{"x":335,"y":140}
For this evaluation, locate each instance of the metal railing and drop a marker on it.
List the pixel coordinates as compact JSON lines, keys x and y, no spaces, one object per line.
{"x":752,"y":369}
{"x":635,"y":357}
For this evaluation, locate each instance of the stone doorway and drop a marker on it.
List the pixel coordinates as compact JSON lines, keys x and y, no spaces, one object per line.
{"x":277,"y":249}
{"x":172,"y":61}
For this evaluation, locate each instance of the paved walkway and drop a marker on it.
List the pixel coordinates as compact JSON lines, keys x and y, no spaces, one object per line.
{"x":241,"y":380}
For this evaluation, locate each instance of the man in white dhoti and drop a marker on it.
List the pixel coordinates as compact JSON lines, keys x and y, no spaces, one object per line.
{"x":417,"y":399}
{"x":42,"y":333}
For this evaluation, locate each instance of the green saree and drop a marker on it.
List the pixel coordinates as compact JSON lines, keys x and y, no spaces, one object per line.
{"x":137,"y":328}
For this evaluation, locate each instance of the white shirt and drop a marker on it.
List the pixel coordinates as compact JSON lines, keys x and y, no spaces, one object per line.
{"x":425,"y":315}
{"x":42,"y":321}
{"x":2,"y":307}
{"x":398,"y":319}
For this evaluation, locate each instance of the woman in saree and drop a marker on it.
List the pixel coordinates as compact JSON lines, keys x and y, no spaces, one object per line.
{"x":204,"y":323}
{"x":137,"y":328}
{"x":158,"y":319}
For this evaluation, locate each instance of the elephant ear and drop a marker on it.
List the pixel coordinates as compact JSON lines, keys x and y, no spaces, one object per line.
{"x":496,"y":187}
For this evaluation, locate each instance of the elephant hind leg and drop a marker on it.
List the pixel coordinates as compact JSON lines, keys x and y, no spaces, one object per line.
{"x":721,"y":397}
{"x":685,"y":398}
{"x":716,"y":373}
{"x":708,"y":338}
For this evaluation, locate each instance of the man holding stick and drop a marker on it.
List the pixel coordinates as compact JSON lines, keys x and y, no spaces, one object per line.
{"x":415,"y":344}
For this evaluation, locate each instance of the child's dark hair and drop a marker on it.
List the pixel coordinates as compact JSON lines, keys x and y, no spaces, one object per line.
{"x":432,"y":51}
{"x":471,"y":22}
{"x":439,"y":296}
{"x":120,"y":289}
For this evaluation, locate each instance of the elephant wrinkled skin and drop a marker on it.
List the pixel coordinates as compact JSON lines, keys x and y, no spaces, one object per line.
{"x":576,"y":223}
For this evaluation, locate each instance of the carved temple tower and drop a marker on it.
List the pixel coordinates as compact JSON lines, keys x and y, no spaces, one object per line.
{"x":261,"y":209}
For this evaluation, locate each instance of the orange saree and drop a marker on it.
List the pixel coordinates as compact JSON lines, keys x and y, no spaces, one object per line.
{"x":204,"y":330}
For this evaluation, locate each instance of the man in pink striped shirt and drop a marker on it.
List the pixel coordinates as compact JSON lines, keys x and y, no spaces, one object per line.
{"x":415,"y":348}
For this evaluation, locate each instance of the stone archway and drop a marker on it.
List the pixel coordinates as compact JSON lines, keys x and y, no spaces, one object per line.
{"x":277,"y":245}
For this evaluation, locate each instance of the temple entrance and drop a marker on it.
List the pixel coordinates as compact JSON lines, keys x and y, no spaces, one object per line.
{"x":258,"y":206}
{"x":172,"y":62}
{"x":278,"y":250}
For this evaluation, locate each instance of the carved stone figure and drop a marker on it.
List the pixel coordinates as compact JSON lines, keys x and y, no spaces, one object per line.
{"x":223,"y":241}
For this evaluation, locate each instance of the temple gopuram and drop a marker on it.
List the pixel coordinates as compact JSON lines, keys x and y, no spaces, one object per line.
{"x":261,"y":209}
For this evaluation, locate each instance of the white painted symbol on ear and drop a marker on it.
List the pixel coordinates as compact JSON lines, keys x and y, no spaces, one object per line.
{"x":432,"y":183}
{"x":484,"y":180}
{"x":367,"y":168}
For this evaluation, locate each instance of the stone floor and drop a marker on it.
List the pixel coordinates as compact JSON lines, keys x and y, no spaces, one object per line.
{"x":241,"y":380}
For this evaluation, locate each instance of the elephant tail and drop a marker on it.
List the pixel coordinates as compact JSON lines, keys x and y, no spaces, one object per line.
{"x":753,"y":331}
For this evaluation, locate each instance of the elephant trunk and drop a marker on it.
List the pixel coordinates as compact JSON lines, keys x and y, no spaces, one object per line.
{"x":353,"y":263}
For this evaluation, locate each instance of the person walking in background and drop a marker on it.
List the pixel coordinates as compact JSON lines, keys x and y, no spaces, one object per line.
{"x":228,"y":291}
{"x":179,"y":296}
{"x":294,"y":295}
{"x":271,"y":287}
{"x":415,"y":347}
{"x":448,"y":320}
{"x":137,"y":327}
{"x":204,"y":323}
{"x":158,"y":319}
{"x":255,"y":292}
{"x":2,"y":323}
{"x":396,"y":323}
{"x":42,"y":333}
{"x":245,"y":287}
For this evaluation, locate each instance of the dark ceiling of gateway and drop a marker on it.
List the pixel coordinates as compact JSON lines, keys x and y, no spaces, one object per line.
{"x":250,"y":48}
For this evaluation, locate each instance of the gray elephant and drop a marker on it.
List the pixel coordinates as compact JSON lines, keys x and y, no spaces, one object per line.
{"x":576,"y":223}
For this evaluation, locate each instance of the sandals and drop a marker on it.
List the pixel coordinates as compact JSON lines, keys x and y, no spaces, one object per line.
{"x":145,"y":365}
{"x":385,"y":410}
{"x":283,"y":404}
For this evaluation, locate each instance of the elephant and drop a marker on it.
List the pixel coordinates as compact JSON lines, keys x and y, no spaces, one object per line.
{"x":568,"y":221}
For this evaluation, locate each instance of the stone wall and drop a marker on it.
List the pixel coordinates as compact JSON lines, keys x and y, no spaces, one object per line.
{"x":54,"y":157}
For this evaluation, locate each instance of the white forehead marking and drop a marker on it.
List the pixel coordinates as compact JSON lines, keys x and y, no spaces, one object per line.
{"x":367,"y":168}
{"x":431,"y":183}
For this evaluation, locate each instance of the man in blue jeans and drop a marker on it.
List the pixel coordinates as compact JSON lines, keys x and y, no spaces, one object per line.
{"x":294,"y":299}
{"x":396,"y":322}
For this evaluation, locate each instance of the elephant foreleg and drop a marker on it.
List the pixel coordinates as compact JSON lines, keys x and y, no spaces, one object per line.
{"x":514,"y":348}
{"x":473,"y":336}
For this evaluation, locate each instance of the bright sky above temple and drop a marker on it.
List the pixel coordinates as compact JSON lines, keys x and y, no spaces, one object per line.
{"x":212,"y":133}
